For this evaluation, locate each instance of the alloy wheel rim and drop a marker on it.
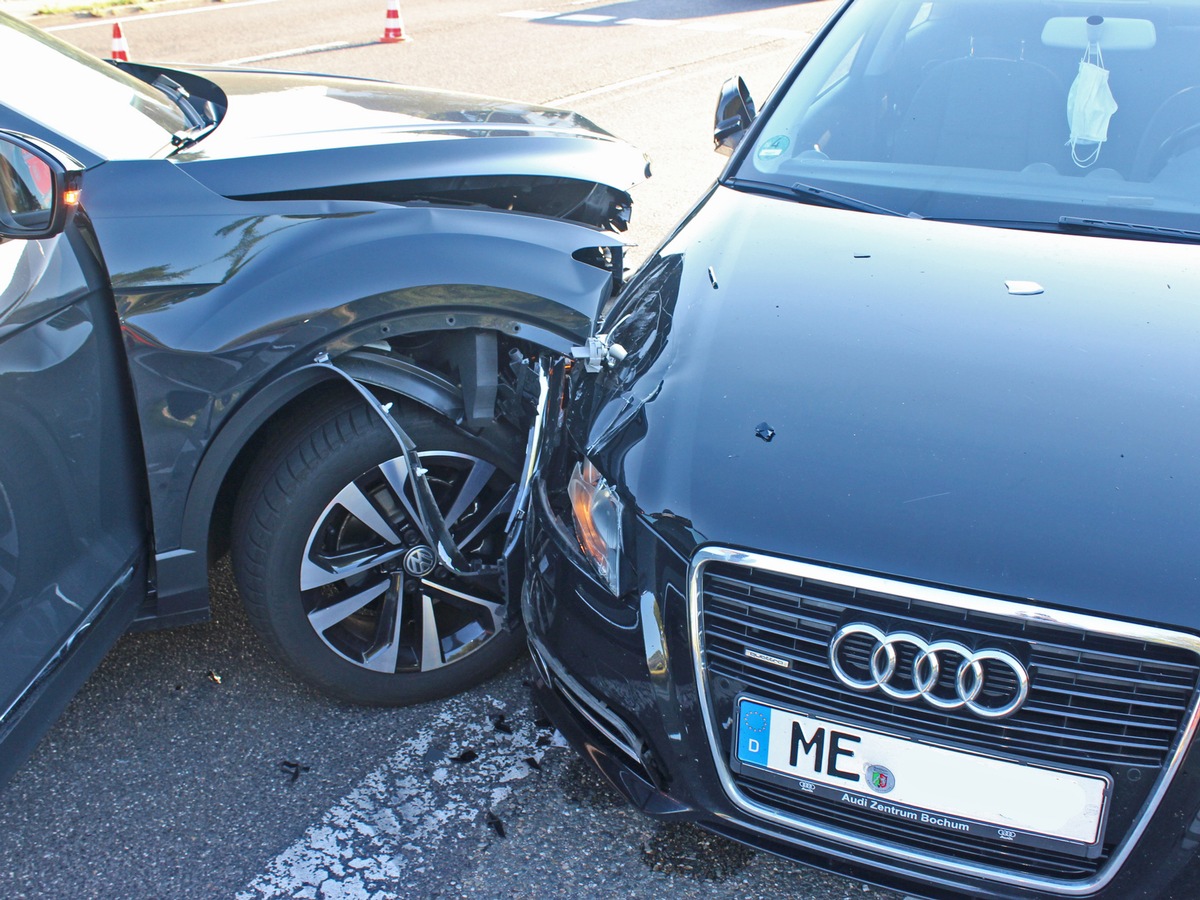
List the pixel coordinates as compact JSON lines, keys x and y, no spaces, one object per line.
{"x":371,"y":584}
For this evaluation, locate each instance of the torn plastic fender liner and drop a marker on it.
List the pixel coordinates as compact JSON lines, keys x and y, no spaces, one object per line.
{"x":532,"y":447}
{"x":407,"y":379}
{"x":431,"y":522}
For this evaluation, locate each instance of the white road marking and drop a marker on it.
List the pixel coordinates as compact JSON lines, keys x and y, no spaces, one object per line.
{"x":716,"y":27}
{"x":608,"y":88}
{"x":784,"y":34}
{"x":530,"y":14}
{"x":651,"y":23}
{"x":107,"y":22}
{"x":709,"y":25}
{"x":417,"y":803}
{"x":777,"y":34}
{"x":584,"y":17}
{"x":280,"y":54}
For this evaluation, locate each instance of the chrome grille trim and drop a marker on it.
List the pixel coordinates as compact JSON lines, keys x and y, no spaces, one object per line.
{"x":595,"y":711}
{"x":1016,"y":612}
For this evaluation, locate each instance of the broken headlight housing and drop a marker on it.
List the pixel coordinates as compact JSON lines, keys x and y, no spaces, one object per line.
{"x":596,"y":512}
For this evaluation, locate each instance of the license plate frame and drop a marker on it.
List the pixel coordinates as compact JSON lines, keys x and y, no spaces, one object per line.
{"x":1041,"y":823}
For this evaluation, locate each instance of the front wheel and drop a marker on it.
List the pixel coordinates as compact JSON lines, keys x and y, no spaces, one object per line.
{"x":337,"y":576}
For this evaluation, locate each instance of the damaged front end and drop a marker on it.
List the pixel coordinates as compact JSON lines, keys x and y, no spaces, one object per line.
{"x":526,"y":408}
{"x":588,"y":203}
{"x":337,"y":303}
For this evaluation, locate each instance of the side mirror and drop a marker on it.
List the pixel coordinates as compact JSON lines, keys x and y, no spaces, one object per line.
{"x":735,"y":112}
{"x":33,"y":188}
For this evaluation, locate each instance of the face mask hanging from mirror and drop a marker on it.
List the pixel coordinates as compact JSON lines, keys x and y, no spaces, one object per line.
{"x":1090,"y":105}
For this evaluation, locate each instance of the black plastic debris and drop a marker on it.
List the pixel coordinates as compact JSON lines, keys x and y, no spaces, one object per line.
{"x":466,"y":756}
{"x":764,"y":431}
{"x":543,"y":723}
{"x":294,"y":769}
{"x":532,"y":762}
{"x":500,"y":725}
{"x":214,"y":677}
{"x":494,"y":823}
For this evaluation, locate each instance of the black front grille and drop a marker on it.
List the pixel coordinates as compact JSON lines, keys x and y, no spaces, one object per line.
{"x":1095,"y":701}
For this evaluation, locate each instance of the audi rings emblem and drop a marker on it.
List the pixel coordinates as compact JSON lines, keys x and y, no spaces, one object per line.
{"x":906,"y":667}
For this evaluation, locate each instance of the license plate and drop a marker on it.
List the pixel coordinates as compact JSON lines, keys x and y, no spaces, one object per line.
{"x":951,"y":790}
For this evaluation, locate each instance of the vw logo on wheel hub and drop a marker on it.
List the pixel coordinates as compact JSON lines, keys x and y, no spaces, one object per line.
{"x":420,"y":561}
{"x":927,"y":661}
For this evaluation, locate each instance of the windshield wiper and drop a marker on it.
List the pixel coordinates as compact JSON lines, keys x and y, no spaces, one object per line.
{"x":1179,"y":234}
{"x":808,"y":192}
{"x":832,"y":198}
{"x":179,"y":94}
{"x":181,"y":140}
{"x":200,"y":119}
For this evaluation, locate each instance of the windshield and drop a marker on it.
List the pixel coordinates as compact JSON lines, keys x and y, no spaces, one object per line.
{"x":1004,"y":111}
{"x":90,"y":102}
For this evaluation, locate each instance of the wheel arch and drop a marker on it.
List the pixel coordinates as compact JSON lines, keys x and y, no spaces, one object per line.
{"x":182,"y":579}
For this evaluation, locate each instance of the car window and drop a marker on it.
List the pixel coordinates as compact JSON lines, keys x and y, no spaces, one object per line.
{"x":842,"y":69}
{"x":90,"y":102}
{"x":1017,"y":111}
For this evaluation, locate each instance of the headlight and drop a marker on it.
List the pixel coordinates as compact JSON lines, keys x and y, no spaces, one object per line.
{"x":596,"y":510}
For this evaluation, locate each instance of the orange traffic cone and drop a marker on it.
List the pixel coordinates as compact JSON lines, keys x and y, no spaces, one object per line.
{"x":393,"y":32}
{"x":120,"y":47}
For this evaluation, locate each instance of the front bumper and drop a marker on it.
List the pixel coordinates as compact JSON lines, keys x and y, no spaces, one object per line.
{"x":618,"y":678}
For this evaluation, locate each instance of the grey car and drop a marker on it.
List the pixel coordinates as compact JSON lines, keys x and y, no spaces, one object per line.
{"x":301,"y":317}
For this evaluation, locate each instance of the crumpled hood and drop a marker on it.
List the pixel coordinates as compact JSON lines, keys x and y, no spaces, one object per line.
{"x":927,"y":424}
{"x":361,"y":131}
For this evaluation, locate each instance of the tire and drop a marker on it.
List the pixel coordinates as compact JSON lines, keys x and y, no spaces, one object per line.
{"x":385,"y":624}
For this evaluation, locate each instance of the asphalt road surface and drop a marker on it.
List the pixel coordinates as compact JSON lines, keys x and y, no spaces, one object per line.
{"x":192,"y":765}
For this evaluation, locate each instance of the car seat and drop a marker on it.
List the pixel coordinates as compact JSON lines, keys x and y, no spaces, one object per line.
{"x":1173,"y":129}
{"x":987,"y":113}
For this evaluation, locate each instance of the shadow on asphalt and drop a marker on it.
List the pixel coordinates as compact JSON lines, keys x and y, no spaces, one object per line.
{"x":666,"y":10}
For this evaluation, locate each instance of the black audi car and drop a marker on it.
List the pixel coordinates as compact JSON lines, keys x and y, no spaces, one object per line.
{"x":300,"y":316}
{"x":867,"y":519}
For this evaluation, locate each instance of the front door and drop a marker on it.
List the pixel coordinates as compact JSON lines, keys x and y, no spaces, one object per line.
{"x":72,"y":501}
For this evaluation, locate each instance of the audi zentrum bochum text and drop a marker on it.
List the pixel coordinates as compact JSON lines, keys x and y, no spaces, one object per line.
{"x":867,"y":528}
{"x":300,"y":315}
